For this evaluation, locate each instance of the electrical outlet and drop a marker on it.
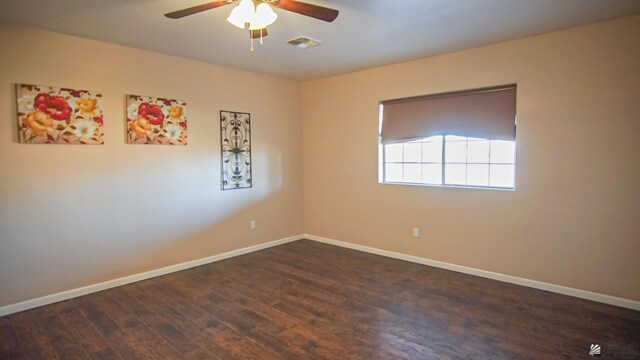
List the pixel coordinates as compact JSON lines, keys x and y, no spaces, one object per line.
{"x":416,"y":232}
{"x":252,"y":226}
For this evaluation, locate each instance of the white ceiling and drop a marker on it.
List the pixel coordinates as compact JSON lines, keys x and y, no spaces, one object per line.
{"x":367,"y":33}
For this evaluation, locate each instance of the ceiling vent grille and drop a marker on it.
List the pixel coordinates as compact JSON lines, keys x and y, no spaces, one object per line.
{"x":304,"y":42}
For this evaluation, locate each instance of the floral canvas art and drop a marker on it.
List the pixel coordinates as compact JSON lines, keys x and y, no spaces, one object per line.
{"x":156,"y":121}
{"x":48,"y":115}
{"x":235,"y":139}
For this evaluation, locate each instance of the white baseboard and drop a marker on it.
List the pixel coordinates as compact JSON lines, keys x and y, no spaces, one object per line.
{"x":65,"y":295}
{"x":607,"y":299}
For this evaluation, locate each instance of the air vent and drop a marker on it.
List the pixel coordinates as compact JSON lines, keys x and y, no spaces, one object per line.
{"x":304,"y":42}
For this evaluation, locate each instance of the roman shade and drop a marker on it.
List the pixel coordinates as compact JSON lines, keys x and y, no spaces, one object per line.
{"x":485,"y":113}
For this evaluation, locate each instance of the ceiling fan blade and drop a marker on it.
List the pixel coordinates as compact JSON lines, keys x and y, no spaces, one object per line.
{"x":255,"y":34}
{"x":196,"y":9}
{"x":314,"y":11}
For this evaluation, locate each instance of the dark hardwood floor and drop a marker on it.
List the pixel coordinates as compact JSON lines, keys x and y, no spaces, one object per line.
{"x":307,"y":300}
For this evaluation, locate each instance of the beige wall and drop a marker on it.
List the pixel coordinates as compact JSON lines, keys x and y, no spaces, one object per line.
{"x":574,"y":219}
{"x":76,"y":215}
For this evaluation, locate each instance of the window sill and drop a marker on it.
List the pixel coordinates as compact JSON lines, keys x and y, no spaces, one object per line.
{"x":449,"y":186}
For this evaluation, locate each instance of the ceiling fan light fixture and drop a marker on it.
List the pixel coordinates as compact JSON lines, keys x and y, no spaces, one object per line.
{"x":242,"y":14}
{"x":257,"y":15}
{"x":263,"y":17}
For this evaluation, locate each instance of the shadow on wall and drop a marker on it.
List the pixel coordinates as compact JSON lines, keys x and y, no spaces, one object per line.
{"x":228,"y":234}
{"x":66,"y":225}
{"x":12,"y":115}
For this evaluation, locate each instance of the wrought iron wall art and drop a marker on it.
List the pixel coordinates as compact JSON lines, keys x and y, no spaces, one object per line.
{"x":235,"y":140}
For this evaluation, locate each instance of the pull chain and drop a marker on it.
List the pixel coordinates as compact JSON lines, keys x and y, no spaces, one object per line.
{"x":251,"y":37}
{"x":261,"y":43}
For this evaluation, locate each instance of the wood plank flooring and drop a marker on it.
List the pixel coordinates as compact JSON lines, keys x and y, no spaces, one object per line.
{"x":307,"y":300}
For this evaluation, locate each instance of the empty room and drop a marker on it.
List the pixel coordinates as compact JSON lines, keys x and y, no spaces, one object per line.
{"x":319,"y":179}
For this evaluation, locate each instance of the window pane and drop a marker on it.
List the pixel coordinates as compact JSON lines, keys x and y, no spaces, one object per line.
{"x":501,"y":175}
{"x":412,"y":173}
{"x":437,"y":138}
{"x":393,"y":153}
{"x":393,"y":172}
{"x":455,"y":174}
{"x":503,"y":152}
{"x":468,"y":162}
{"x":455,"y":151}
{"x":455,"y":138}
{"x":432,"y":152}
{"x":478,"y":175}
{"x":412,"y":152}
{"x":432,"y":174}
{"x":478,"y":151}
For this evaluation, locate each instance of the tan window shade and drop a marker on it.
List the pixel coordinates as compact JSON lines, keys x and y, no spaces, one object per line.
{"x":487,"y":113}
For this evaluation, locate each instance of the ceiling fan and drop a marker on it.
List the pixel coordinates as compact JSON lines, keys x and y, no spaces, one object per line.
{"x":256,"y":15}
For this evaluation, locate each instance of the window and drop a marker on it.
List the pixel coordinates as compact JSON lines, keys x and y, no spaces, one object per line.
{"x":451,"y":160}
{"x":468,"y":140}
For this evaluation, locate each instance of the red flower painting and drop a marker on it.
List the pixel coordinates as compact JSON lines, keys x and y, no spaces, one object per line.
{"x":153,"y":113}
{"x":56,"y":106}
{"x":49,"y":115}
{"x":158,"y":121}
